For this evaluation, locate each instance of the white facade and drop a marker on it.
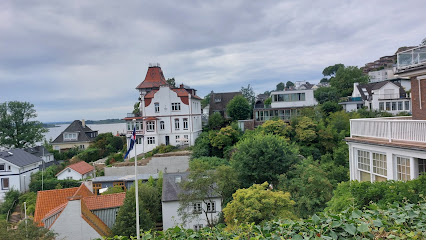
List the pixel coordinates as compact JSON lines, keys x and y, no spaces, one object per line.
{"x":15,"y":177}
{"x":381,"y":75}
{"x":166,"y":120}
{"x":293,"y":99}
{"x":172,"y":219}
{"x":69,"y":173}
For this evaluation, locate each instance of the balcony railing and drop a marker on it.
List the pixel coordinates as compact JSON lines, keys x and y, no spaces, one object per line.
{"x":131,"y":115}
{"x":391,"y":129}
{"x":411,"y":58}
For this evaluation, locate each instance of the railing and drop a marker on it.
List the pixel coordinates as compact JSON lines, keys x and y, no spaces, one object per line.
{"x":11,"y":209}
{"x":397,"y":128}
{"x":411,"y":57}
{"x":389,"y":96}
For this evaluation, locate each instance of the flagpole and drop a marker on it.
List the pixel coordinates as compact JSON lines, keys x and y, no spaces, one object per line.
{"x":138,"y":234}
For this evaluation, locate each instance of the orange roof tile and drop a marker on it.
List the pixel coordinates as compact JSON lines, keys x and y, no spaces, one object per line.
{"x":154,"y":78}
{"x":105,"y":201}
{"x":82,"y":192}
{"x":55,"y":210}
{"x":80,"y":167}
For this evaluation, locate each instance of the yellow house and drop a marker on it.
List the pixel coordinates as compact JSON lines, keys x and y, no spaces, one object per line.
{"x":77,"y":134}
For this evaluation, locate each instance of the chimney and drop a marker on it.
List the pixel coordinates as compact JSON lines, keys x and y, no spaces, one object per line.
{"x":83,"y":123}
{"x":181,"y":86}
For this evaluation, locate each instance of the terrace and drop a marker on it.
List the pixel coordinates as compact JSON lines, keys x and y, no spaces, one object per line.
{"x":411,"y":58}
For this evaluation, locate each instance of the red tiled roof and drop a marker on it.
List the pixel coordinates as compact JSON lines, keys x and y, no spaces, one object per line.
{"x":55,"y":210}
{"x":81,"y":167}
{"x":105,"y":201}
{"x":154,"y":78}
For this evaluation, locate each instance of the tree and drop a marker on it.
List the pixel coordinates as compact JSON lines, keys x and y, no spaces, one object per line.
{"x":262,"y":158}
{"x":248,"y":93}
{"x":205,"y":101}
{"x":326,"y":94}
{"x":332,"y":70}
{"x":149,"y":209}
{"x":171,"y":82}
{"x":238,"y":108}
{"x":25,"y":230}
{"x":227,"y":136}
{"x":256,"y":204}
{"x":275,"y":127}
{"x":216,"y":121}
{"x":330,"y":107}
{"x":280,"y":86}
{"x":289,"y":84}
{"x":17,"y":127}
{"x":345,"y":79}
{"x":136,"y":109}
{"x":309,"y":187}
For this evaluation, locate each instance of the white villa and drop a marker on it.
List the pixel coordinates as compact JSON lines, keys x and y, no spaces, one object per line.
{"x":393,"y":148}
{"x":168,"y":115}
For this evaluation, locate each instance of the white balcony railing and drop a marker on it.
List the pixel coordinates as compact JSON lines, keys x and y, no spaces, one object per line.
{"x":397,"y":128}
{"x":411,"y":58}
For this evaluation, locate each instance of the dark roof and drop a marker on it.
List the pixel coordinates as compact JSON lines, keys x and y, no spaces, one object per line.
{"x":38,"y":151}
{"x":171,"y":189}
{"x":377,"y":85}
{"x":76,"y":127}
{"x":19,"y":157}
{"x":220,"y":106}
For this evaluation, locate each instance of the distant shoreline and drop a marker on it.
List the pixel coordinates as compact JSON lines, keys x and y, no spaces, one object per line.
{"x":105,"y":121}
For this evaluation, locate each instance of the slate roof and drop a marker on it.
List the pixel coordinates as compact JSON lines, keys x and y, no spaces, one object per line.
{"x":81,"y":167}
{"x":171,"y":189}
{"x":126,"y":178}
{"x":375,"y":86}
{"x":76,"y":127}
{"x":154,"y":78}
{"x":105,"y":201}
{"x":19,"y":157}
{"x":38,"y":151}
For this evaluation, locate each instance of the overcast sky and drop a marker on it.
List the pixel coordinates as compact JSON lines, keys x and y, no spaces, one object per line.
{"x":83,"y":59}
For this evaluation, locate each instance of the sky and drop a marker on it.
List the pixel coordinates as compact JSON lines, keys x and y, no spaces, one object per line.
{"x":83,"y":59}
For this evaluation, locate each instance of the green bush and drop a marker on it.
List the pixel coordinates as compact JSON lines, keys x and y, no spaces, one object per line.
{"x":11,"y":197}
{"x":118,"y":157}
{"x":52,"y":183}
{"x":163,"y":149}
{"x":362,"y":194}
{"x":90,"y":155}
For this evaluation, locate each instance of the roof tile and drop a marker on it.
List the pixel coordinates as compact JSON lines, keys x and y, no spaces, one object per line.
{"x":105,"y":201}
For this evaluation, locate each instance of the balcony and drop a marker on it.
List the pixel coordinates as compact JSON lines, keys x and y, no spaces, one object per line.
{"x":390,"y":129}
{"x":411,"y":58}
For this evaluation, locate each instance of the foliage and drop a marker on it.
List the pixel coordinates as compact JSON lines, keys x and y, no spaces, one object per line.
{"x":262,"y":158}
{"x":306,"y":130}
{"x":171,"y":82}
{"x":25,"y":230}
{"x":149,"y":209}
{"x":330,"y":107}
{"x":274,"y":127}
{"x":108,"y":143}
{"x":407,"y":221}
{"x":345,"y":79}
{"x":248,"y":93}
{"x":280,"y":86}
{"x":361,"y":194}
{"x":326,"y":94}
{"x":238,"y":108}
{"x":163,"y":149}
{"x":48,"y":173}
{"x":49,"y":184}
{"x":65,"y":155}
{"x":202,"y":147}
{"x":256,"y":204}
{"x":309,"y":187}
{"x":136,"y":109}
{"x":216,"y":121}
{"x":112,"y":158}
{"x":227,"y":136}
{"x":17,"y":126}
{"x":90,"y":154}
{"x":114,"y":189}
{"x":289,"y":84}
{"x":332,"y":70}
{"x":30,"y":199}
{"x":11,"y":197}
{"x":212,"y":162}
{"x":268,"y":101}
{"x":205,"y":101}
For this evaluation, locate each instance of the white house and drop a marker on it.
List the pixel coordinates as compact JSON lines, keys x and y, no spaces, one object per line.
{"x":381,"y":75}
{"x":168,"y":115}
{"x":393,"y":148}
{"x":77,"y":134}
{"x":387,"y":96}
{"x":198,"y":210}
{"x":77,"y":171}
{"x":16,"y":168}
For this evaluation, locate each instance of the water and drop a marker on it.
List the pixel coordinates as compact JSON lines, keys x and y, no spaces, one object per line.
{"x":113,"y":128}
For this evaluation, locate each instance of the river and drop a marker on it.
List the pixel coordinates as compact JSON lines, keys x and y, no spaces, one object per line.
{"x":113,"y":128}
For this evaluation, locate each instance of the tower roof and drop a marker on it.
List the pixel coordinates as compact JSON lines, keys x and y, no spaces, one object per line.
{"x":154,"y":78}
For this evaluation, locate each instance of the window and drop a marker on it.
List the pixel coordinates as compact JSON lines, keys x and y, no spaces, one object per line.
{"x":364,"y":164}
{"x":70,"y":136}
{"x":96,"y":188}
{"x":211,"y":207}
{"x":157,"y":107}
{"x":175,"y":106}
{"x":151,"y":140}
{"x":120,"y":184}
{"x":69,"y":170}
{"x":393,"y":106}
{"x":5,"y":183}
{"x":2,"y":167}
{"x":177,"y":124}
{"x":407,"y":105}
{"x":82,"y":147}
{"x":422,"y":166}
{"x":150,"y":126}
{"x":379,"y":164}
{"x":400,"y":106}
{"x":217,"y":99}
{"x":185,"y":123}
{"x":177,"y":138}
{"x":381,"y":106}
{"x":196,"y":207}
{"x":403,"y":168}
{"x":198,"y":227}
{"x":388,"y":106}
{"x":129,"y":126}
{"x":139,"y":140}
{"x":162,"y":125}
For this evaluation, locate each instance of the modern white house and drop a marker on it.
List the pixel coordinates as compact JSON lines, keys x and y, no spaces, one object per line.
{"x":77,"y":171}
{"x":387,"y":96}
{"x":167,"y":115}
{"x":16,"y":168}
{"x":285,"y":104}
{"x":393,"y":148}
{"x":198,"y":209}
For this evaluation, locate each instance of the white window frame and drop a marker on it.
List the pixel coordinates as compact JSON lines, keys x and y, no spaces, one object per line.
{"x":162,"y":125}
{"x":157,"y":107}
{"x":175,"y":106}
{"x":185,"y":124}
{"x":211,"y":206}
{"x":2,"y":184}
{"x":150,"y":140}
{"x":379,"y":164}
{"x":177,"y":125}
{"x":197,"y":208}
{"x":150,"y":126}
{"x":198,"y":227}
{"x":400,"y":175}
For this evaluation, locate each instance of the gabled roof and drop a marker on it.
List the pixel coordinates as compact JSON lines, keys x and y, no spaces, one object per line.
{"x":81,"y":167}
{"x":375,"y":86}
{"x":38,"y":151}
{"x":154,"y":78}
{"x":19,"y":157}
{"x":105,"y":201}
{"x":76,"y":127}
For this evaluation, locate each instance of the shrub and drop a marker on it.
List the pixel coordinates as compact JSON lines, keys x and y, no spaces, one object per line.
{"x":49,"y":184}
{"x":90,"y":155}
{"x":163,"y":149}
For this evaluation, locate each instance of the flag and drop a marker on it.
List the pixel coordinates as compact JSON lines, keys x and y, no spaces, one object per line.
{"x":132,"y":142}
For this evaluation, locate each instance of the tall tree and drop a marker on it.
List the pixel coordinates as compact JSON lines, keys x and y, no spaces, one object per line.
{"x":171,"y":82}
{"x":280,"y":86}
{"x":205,"y":101}
{"x":238,"y":108}
{"x":248,"y":93}
{"x":17,"y":127}
{"x":345,"y":79}
{"x":332,"y":70}
{"x":289,"y":84}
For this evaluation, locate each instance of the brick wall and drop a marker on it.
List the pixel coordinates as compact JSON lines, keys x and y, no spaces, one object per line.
{"x":418,"y":114}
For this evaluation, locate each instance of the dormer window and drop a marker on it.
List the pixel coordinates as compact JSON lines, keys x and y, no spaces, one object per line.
{"x":70,"y":136}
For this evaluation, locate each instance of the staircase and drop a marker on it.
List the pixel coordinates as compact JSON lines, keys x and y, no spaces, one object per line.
{"x":16,"y":216}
